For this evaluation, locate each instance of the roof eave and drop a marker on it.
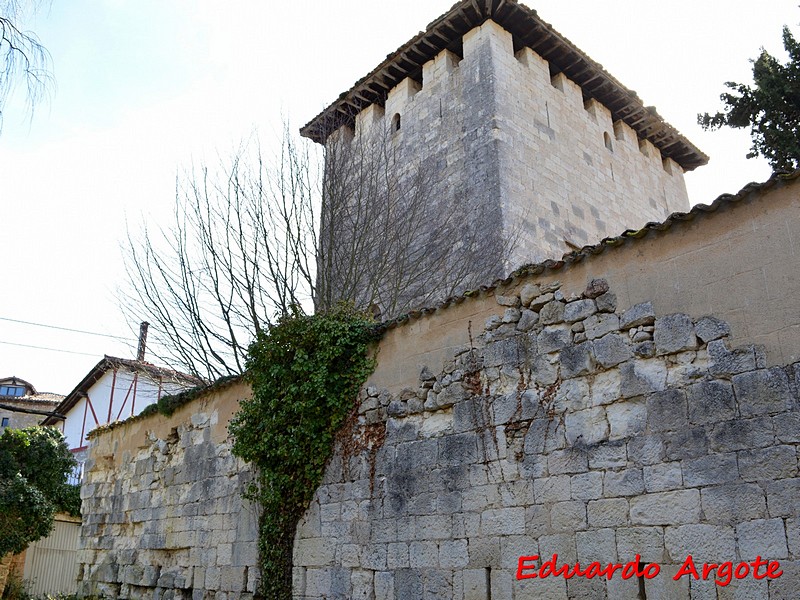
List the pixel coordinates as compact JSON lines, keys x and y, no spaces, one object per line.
{"x":529,"y":30}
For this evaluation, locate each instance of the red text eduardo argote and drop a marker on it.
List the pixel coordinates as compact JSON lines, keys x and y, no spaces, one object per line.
{"x":529,"y":567}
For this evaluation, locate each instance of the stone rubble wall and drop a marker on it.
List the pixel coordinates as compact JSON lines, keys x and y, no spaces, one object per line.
{"x":163,"y":513}
{"x":565,"y":426}
{"x":536,"y":418}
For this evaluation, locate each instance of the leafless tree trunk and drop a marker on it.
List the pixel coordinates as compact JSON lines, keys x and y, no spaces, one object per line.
{"x":257,"y":239}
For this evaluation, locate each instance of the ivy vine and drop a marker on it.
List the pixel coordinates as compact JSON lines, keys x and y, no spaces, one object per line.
{"x":305,"y":373}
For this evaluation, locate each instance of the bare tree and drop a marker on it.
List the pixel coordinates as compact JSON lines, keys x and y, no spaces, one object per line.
{"x":254,"y":239}
{"x":22,"y":56}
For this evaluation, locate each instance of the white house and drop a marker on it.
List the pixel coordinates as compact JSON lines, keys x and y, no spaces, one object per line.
{"x":115,"y":389}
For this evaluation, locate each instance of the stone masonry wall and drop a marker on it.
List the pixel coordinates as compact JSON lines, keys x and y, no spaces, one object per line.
{"x":163,"y":514}
{"x":519,"y":150}
{"x":569,"y":427}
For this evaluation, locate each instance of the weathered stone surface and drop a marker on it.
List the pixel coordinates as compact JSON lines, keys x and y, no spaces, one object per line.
{"x":741,"y":434}
{"x":706,"y":543}
{"x":512,"y":301}
{"x":609,"y":455}
{"x":663,"y":477}
{"x":599,"y":545}
{"x":648,"y":542}
{"x":787,"y":426}
{"x":674,"y":333}
{"x":640,"y":377}
{"x":589,"y":426}
{"x":647,"y":450}
{"x":765,"y":391}
{"x":595,"y":288}
{"x":667,"y":410}
{"x":639,"y":314}
{"x":711,"y":328}
{"x":611,"y":350}
{"x":777,"y":462}
{"x":783,"y":498}
{"x":626,"y":418}
{"x":552,"y":312}
{"x":551,"y":489}
{"x":528,"y":292}
{"x":538,"y":302}
{"x":576,"y":360}
{"x":527,"y":440}
{"x":568,"y":516}
{"x":666,"y":508}
{"x":527,"y":320}
{"x":608,"y":512}
{"x":627,"y":482}
{"x":710,"y":470}
{"x":600,"y":324}
{"x":732,"y":502}
{"x":554,"y":338}
{"x":724,"y":362}
{"x":710,"y":402}
{"x":606,"y":302}
{"x":579,"y":310}
{"x":570,"y":460}
{"x":762,"y":537}
{"x":586,"y":486}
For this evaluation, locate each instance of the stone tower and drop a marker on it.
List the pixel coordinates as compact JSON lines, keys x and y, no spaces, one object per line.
{"x":541,"y":147}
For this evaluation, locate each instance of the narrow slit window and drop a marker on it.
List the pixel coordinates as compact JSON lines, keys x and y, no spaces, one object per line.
{"x":396,"y":122}
{"x":607,"y":141}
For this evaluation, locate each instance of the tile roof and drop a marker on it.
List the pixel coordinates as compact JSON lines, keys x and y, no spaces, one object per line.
{"x":528,"y":29}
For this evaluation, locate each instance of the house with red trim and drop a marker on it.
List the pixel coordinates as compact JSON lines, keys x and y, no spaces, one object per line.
{"x":115,"y":389}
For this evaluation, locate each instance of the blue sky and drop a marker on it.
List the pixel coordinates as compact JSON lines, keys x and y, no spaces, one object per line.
{"x":144,"y":89}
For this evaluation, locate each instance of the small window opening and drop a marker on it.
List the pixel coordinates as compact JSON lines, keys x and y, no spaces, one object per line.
{"x":4,"y":422}
{"x":12,"y":390}
{"x":396,"y":122}
{"x":607,"y":141}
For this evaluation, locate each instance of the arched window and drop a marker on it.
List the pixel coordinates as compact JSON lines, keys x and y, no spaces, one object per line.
{"x":396,"y":122}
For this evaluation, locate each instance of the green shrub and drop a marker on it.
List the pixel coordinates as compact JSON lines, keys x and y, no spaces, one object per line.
{"x":305,"y":373}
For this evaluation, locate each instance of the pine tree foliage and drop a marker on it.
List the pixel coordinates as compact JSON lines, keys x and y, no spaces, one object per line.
{"x":771,"y":107}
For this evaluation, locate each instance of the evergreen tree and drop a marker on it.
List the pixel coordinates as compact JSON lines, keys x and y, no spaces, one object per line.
{"x":771,"y":108}
{"x":34,"y":465}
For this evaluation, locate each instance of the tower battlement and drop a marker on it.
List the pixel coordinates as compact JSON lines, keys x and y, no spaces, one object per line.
{"x":530,"y":137}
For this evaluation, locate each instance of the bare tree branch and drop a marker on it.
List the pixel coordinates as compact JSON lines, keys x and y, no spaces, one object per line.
{"x":22,"y":56}
{"x":256,"y":238}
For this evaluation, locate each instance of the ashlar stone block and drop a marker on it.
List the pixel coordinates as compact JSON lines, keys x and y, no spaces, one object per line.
{"x":611,"y":350}
{"x":710,"y":402}
{"x":762,"y":537}
{"x":765,"y":391}
{"x":666,"y":508}
{"x":674,"y":333}
{"x":733,"y":502}
{"x":706,"y":543}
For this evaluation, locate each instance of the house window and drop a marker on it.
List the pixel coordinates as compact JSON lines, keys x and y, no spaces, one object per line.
{"x":4,"y":423}
{"x":12,"y":390}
